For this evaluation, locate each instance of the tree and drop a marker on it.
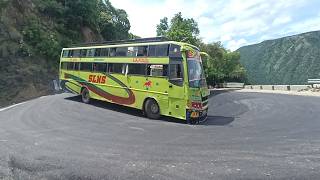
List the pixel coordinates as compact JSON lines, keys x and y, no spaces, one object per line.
{"x":180,"y":29}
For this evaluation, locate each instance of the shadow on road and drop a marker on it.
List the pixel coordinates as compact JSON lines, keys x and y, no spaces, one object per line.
{"x":217,"y":121}
{"x":122,"y":109}
{"x":211,"y":120}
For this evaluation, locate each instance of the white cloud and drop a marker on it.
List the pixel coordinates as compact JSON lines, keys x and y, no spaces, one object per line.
{"x":233,"y":22}
{"x":281,"y":20}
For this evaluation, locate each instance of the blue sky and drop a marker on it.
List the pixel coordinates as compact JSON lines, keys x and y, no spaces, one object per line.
{"x":233,"y":22}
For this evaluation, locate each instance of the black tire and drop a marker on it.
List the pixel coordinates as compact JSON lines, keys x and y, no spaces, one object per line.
{"x":152,"y":109}
{"x":85,"y":96}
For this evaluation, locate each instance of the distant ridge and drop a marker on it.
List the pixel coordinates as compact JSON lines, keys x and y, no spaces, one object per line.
{"x":287,"y":60}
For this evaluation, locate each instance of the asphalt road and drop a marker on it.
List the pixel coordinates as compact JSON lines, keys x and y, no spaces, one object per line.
{"x":247,"y":136}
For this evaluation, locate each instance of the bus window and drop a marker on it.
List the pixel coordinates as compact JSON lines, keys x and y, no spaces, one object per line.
{"x":116,"y":68}
{"x":90,"y":52}
{"x":76,"y":66}
{"x":86,"y":66}
{"x":121,"y":51}
{"x":100,"y":67}
{"x":64,"y":65}
{"x":175,"y":71}
{"x":76,"y":53}
{"x":142,"y":51}
{"x":132,"y":51}
{"x":137,"y":69}
{"x":65,"y":53}
{"x":176,"y":74}
{"x":97,"y":52}
{"x":83,"y":52}
{"x":104,"y":52}
{"x":70,"y":66}
{"x":70,"y":54}
{"x":158,"y":50}
{"x":174,"y":51}
{"x":112,"y":52}
{"x":157,"y":70}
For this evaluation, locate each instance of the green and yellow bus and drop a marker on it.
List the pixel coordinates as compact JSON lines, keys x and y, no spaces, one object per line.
{"x":158,"y":77}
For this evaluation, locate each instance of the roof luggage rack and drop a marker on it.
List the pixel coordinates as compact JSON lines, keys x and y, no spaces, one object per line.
{"x":129,"y":41}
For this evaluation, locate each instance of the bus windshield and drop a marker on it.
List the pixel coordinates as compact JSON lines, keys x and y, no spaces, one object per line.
{"x":195,"y":73}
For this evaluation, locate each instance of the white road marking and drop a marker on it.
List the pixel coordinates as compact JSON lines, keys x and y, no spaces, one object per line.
{"x":9,"y":107}
{"x":137,"y":128}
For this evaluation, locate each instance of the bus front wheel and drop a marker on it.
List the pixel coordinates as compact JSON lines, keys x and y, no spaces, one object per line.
{"x":85,"y":96}
{"x":152,"y":109}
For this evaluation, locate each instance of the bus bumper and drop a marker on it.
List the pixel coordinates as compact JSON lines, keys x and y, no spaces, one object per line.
{"x":195,"y":116}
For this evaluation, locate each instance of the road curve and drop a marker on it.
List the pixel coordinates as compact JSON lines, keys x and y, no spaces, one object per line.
{"x":247,"y":136}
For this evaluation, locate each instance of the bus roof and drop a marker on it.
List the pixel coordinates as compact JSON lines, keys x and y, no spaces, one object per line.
{"x":128,"y":43}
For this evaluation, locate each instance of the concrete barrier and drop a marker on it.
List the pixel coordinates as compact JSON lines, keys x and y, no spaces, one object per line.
{"x":299,"y":87}
{"x":233,"y":85}
{"x":281,"y":88}
{"x":248,"y":87}
{"x":256,"y":87}
{"x":268,"y":87}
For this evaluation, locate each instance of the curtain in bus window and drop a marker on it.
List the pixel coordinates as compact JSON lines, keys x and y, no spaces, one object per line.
{"x":115,"y":68}
{"x":64,"y":65}
{"x":104,"y":52}
{"x":158,"y":50}
{"x":86,"y":66}
{"x":76,"y":66}
{"x":70,"y":66}
{"x":142,"y":51}
{"x":138,"y":69}
{"x":100,"y":67}
{"x":112,"y":52}
{"x":97,"y":52}
{"x":90,"y":52}
{"x":121,"y":51}
{"x":83,"y":52}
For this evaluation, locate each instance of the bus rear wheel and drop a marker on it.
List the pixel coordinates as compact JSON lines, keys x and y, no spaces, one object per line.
{"x":85,"y":96}
{"x":152,"y":109}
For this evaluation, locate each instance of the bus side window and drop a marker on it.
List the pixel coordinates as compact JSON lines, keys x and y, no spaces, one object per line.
{"x":70,"y":54}
{"x":158,"y":50}
{"x":142,"y":51}
{"x":121,"y":51}
{"x":104,"y":52}
{"x":65,"y":53}
{"x":76,"y":53}
{"x":115,"y":68}
{"x":70,"y":66}
{"x":176,"y":74}
{"x":76,"y":66}
{"x":64,"y":65}
{"x":160,"y":70}
{"x":112,"y":52}
{"x":86,"y":66}
{"x":100,"y":67}
{"x":97,"y":52}
{"x":90,"y":52}
{"x":83,"y":52}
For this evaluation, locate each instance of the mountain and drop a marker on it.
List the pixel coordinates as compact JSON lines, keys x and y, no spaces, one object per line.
{"x":33,"y":32}
{"x":288,"y":60}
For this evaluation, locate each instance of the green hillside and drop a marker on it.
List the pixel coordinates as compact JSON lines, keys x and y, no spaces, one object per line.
{"x":32,"y":33}
{"x":288,"y":60}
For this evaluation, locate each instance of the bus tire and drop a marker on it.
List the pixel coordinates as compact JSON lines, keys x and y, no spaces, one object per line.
{"x":152,"y":109}
{"x":85,"y":96}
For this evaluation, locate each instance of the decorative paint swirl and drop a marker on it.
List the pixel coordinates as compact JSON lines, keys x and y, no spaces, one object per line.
{"x":117,"y":99}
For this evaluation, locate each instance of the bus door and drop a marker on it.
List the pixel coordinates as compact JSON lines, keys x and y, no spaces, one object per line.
{"x":176,"y":89}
